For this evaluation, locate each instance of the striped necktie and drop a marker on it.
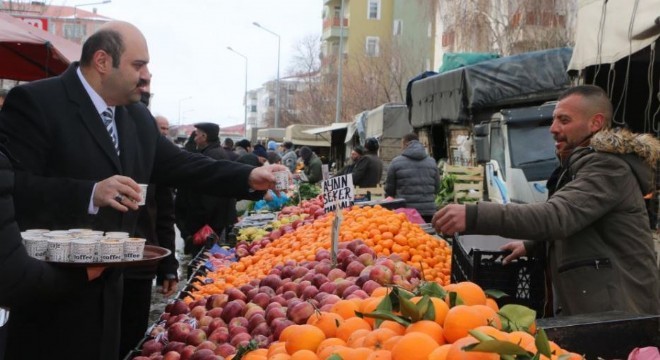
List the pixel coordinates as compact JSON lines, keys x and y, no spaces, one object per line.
{"x":107,"y":121}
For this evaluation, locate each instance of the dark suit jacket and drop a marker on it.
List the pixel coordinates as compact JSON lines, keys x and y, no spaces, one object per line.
{"x":62,"y":149}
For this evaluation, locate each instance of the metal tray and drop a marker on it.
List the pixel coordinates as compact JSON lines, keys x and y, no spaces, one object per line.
{"x":152,"y":254}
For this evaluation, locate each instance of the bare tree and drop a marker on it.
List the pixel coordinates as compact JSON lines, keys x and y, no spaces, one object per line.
{"x":507,"y":26}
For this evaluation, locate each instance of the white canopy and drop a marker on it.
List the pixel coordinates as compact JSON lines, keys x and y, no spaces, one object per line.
{"x":609,"y":30}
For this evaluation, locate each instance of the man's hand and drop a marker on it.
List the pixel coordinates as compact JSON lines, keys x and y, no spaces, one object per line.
{"x":93,"y":272}
{"x":262,"y":178}
{"x":450,"y":219}
{"x":169,"y":287}
{"x":517,"y":250}
{"x":119,"y":192}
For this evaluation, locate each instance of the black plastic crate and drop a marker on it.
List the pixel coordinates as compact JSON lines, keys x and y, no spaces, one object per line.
{"x":522,"y":280}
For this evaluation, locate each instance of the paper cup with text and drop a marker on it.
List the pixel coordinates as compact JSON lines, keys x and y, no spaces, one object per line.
{"x":116,"y":235}
{"x":83,"y":250}
{"x":133,"y":249}
{"x":59,"y":249}
{"x":58,"y":234}
{"x":111,"y":250}
{"x":36,"y":246}
{"x":281,"y":180}
{"x":143,"y":193}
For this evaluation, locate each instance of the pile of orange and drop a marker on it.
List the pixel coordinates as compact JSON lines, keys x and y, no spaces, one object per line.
{"x":383,"y":230}
{"x":354,"y":338}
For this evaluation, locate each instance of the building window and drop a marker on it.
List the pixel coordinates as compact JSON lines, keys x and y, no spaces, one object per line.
{"x":373,"y":10}
{"x":372,"y":48}
{"x":74,"y":31}
{"x":397,"y":27}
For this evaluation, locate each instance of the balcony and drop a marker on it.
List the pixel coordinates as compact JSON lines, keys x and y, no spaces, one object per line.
{"x":332,"y":28}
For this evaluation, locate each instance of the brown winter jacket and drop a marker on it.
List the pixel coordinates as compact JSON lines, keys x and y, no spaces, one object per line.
{"x":595,"y":226}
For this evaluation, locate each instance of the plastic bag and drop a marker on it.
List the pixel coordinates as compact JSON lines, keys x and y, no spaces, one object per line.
{"x":412,"y":215}
{"x":202,"y":235}
{"x":647,"y":353}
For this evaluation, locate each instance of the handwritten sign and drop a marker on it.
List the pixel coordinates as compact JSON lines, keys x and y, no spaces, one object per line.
{"x":338,"y":192}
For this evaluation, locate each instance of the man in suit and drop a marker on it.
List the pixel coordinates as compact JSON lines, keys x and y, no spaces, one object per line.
{"x":82,"y":143}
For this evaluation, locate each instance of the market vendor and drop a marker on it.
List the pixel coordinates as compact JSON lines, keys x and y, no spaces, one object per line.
{"x":594,"y":226}
{"x":312,"y":169}
{"x":83,"y":142}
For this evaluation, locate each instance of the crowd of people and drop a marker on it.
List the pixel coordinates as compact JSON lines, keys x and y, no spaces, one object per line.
{"x":74,"y":147}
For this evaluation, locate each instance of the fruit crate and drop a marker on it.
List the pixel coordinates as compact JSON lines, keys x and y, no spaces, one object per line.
{"x":478,"y":259}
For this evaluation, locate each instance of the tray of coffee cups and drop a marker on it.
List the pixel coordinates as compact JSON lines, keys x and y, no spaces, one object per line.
{"x":83,"y":248}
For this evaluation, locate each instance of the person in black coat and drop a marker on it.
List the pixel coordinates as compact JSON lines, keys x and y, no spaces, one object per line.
{"x":21,"y":276}
{"x":74,"y":171}
{"x":368,"y":170}
{"x":198,"y":209}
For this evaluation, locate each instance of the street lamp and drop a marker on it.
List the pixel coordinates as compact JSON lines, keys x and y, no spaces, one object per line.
{"x":75,"y":7}
{"x":180,"y":101}
{"x":246,"y":89}
{"x":277,"y":82}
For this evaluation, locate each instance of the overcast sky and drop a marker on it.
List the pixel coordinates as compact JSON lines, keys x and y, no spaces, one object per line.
{"x":188,"y":48}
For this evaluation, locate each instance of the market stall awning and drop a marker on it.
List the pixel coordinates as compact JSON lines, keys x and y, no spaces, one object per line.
{"x":609,"y":30}
{"x":331,"y":127}
{"x":298,"y":136}
{"x":28,"y":53}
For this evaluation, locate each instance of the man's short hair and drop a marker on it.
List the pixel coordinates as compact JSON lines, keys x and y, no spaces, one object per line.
{"x":228,"y":143}
{"x":287,"y":145}
{"x":410,"y":137}
{"x":107,"y":40}
{"x":597,"y":98}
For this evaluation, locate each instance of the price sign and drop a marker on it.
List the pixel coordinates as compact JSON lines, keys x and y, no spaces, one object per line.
{"x":338,"y":193}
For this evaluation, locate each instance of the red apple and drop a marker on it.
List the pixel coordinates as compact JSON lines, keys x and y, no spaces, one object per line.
{"x":196,"y":337}
{"x":152,"y":347}
{"x":300,"y":312}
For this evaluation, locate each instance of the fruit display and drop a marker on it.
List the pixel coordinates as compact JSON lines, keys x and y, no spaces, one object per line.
{"x":382,"y":230}
{"x":290,"y":294}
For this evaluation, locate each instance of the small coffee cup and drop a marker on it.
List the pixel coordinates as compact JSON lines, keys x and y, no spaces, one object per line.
{"x":143,"y":193}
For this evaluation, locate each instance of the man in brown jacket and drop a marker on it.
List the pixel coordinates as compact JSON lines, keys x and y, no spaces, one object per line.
{"x":594,"y":225}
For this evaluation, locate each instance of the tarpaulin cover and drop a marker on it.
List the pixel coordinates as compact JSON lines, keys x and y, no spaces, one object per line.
{"x":519,"y":79}
{"x":28,"y":53}
{"x":297,"y":135}
{"x":388,"y":121}
{"x":609,"y":30}
{"x":451,"y":61}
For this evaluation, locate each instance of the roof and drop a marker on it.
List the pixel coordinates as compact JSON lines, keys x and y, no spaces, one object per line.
{"x":35,"y":9}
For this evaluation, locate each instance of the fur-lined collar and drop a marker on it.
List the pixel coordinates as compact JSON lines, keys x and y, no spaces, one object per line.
{"x":621,"y":141}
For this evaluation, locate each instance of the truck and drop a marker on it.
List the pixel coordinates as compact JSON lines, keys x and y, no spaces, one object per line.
{"x":505,"y":107}
{"x":388,"y":123}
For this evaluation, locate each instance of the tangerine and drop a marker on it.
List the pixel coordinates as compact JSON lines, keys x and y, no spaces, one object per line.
{"x":414,"y":346}
{"x":306,"y":337}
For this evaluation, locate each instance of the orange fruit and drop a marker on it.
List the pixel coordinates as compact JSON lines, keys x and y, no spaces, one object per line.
{"x":462,"y":318}
{"x":328,"y":322}
{"x":380,"y":291}
{"x":491,"y":303}
{"x":440,"y":308}
{"x":492,"y":332}
{"x":333,"y":341}
{"x":389,"y":343}
{"x":356,"y":339}
{"x":394,"y":326}
{"x":345,"y":308}
{"x":376,"y":339}
{"x":286,"y":333}
{"x":469,"y":292}
{"x":327,"y":351}
{"x":350,"y":325}
{"x":456,"y":351}
{"x":440,"y":353}
{"x":414,"y":346}
{"x":369,"y":305}
{"x":276,"y":348}
{"x":280,"y":356}
{"x":522,"y":339}
{"x":380,"y":355}
{"x":306,"y":337}
{"x":428,"y":327}
{"x":259,"y":354}
{"x":304,"y":355}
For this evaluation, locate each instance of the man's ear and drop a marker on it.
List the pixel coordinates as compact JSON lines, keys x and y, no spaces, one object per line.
{"x":596,"y":122}
{"x":102,"y":61}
